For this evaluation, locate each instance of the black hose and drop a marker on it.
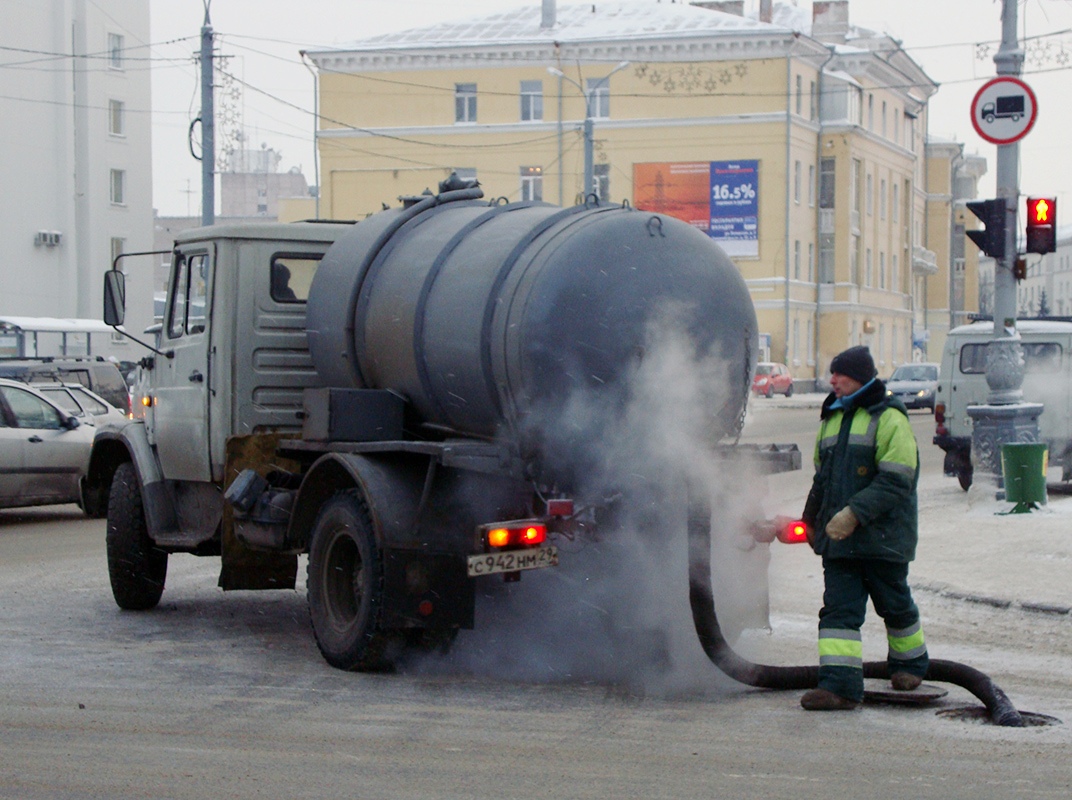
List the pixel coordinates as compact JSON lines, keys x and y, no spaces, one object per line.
{"x":702,"y":601}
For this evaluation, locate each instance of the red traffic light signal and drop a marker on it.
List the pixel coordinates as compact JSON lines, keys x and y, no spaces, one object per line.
{"x":1041,"y":224}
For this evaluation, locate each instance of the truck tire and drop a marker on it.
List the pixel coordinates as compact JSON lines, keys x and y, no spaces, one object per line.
{"x":136,"y":567}
{"x":345,"y":586}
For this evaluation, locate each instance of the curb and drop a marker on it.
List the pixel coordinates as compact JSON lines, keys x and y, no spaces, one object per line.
{"x":1052,"y":609}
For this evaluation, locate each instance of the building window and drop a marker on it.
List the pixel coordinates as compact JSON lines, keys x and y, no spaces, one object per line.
{"x":883,"y":119}
{"x":796,"y":259}
{"x":896,"y":205}
{"x":465,"y":102}
{"x":115,"y":50}
{"x":800,"y":95}
{"x":882,"y":199}
{"x":531,"y":101}
{"x":893,"y":273}
{"x":897,"y":125}
{"x":870,"y":112}
{"x":601,"y":179}
{"x":116,"y":121}
{"x":881,"y":270}
{"x":117,"y":187}
{"x":826,"y":182}
{"x":811,"y":186}
{"x":811,"y":100}
{"x":868,"y":269}
{"x":532,"y":183}
{"x":118,"y":243}
{"x":811,"y":262}
{"x":599,"y":97}
{"x":796,"y":182}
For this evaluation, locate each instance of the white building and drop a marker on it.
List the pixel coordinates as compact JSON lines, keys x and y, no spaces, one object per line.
{"x":76,"y":169}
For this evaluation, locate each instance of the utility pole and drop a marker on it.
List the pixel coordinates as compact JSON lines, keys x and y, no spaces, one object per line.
{"x":1005,"y":418}
{"x":208,"y":126}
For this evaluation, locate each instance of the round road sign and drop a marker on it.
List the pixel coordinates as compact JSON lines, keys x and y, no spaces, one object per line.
{"x":1003,"y":110}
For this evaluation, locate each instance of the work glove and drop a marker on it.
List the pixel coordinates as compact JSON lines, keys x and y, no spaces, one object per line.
{"x":842,"y":524}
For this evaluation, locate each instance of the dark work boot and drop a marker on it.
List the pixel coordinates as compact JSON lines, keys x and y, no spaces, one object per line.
{"x":905,"y":682}
{"x":825,"y":700}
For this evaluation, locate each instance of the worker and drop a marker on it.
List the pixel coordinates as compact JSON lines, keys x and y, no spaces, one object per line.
{"x":861,"y":517}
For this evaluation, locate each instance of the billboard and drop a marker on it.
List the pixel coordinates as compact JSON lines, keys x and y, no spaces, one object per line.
{"x":721,"y":198}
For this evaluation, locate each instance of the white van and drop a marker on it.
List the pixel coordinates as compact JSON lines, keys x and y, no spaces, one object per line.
{"x":1047,"y":346}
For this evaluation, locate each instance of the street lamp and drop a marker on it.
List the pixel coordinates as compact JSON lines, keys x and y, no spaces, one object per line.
{"x":589,"y":177}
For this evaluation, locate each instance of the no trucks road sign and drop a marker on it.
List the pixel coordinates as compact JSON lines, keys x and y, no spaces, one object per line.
{"x":1004,"y":109}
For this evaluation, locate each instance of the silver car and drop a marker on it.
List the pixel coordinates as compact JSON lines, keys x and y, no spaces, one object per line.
{"x":44,"y":451}
{"x":914,"y":385}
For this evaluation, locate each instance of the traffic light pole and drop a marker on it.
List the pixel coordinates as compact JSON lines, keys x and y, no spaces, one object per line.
{"x":1008,"y":61}
{"x":1005,"y":418}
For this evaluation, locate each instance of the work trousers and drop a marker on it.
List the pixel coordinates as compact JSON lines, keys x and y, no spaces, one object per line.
{"x":849,"y":582}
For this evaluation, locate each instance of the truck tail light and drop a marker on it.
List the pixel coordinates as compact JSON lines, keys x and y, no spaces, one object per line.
{"x":517,"y":533}
{"x":793,"y":532}
{"x":939,"y":419}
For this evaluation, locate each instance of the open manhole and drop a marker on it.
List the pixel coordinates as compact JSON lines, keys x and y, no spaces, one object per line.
{"x":980,"y":716}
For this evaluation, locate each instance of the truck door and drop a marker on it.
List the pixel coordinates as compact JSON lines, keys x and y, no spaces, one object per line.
{"x":180,"y":418}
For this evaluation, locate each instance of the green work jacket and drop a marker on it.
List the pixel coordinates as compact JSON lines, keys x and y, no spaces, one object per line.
{"x":866,"y":458}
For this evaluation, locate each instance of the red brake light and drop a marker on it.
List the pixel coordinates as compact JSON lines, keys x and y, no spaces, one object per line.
{"x":515,"y":534}
{"x":793,"y":532}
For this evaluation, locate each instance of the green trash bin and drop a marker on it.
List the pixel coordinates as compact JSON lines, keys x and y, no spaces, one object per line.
{"x":1023,"y":466}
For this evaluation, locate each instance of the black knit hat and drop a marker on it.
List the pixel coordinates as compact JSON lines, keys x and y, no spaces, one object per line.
{"x":855,"y":363}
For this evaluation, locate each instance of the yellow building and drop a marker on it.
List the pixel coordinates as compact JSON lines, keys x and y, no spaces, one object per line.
{"x":797,"y":143}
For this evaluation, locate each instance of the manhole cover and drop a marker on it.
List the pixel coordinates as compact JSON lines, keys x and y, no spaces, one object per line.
{"x":980,"y":715}
{"x":880,"y":691}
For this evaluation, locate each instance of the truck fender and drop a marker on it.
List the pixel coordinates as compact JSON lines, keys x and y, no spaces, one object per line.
{"x":425,"y":580}
{"x":390,"y":486}
{"x":112,"y":447}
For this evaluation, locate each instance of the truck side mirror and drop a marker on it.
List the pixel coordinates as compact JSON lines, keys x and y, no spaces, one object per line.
{"x":115,"y":294}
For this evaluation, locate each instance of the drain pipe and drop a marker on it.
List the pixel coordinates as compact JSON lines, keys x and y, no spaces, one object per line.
{"x":701,"y":599}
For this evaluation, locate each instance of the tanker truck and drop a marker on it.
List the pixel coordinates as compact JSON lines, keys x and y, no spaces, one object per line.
{"x":412,"y":401}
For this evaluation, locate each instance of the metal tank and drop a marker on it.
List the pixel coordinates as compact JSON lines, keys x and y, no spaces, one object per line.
{"x":490,"y":317}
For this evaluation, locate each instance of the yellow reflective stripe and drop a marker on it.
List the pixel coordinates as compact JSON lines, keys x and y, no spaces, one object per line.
{"x":905,"y":644}
{"x":895,"y":443}
{"x":841,"y":647}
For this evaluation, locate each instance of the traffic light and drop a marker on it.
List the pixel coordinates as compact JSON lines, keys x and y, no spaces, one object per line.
{"x":1041,"y":224}
{"x":991,"y":240}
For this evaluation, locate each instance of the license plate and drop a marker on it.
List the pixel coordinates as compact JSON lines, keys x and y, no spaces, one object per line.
{"x":512,"y":561}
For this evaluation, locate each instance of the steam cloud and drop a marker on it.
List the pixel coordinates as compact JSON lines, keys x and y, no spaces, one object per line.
{"x":616,"y":608}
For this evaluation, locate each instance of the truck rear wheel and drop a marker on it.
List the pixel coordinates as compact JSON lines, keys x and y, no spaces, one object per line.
{"x":345,"y":586}
{"x":136,"y":567}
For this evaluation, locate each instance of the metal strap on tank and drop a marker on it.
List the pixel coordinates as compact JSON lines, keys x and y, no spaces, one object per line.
{"x":496,"y":288}
{"x":423,"y":373}
{"x":371,"y":256}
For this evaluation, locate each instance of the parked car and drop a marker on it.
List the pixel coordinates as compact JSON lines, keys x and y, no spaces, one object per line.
{"x":915,"y":385}
{"x":771,"y":379}
{"x":44,"y":451}
{"x":79,"y":402}
{"x":94,"y":372}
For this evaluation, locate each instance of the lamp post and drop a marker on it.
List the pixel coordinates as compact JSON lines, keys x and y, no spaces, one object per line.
{"x":587,"y":94}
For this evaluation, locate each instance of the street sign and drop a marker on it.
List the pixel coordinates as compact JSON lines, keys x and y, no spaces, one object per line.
{"x":1003,"y":110}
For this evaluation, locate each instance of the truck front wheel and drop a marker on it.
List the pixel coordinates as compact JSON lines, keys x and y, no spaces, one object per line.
{"x":345,"y":586}
{"x":136,"y":567}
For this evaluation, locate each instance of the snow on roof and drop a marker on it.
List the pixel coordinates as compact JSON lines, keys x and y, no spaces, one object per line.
{"x":599,"y":20}
{"x":55,"y":324}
